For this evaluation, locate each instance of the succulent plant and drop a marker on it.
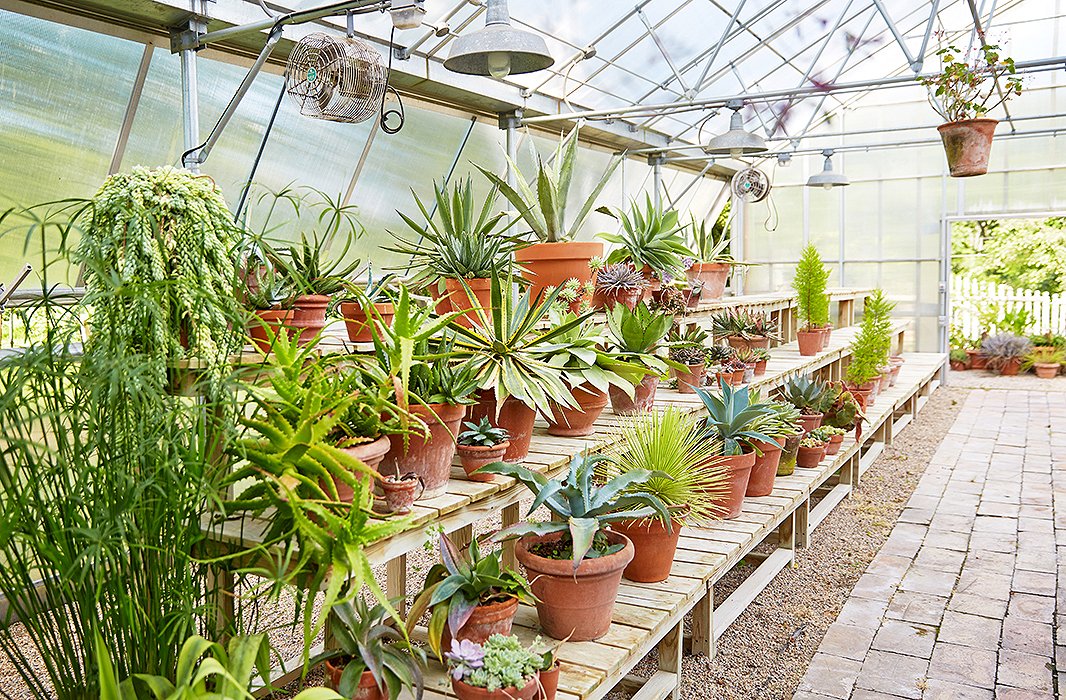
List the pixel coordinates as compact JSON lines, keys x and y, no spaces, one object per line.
{"x":482,"y":434}
{"x":807,"y":394}
{"x":744,"y":323}
{"x":720,"y":354}
{"x":690,"y":347}
{"x":671,"y":300}
{"x":618,"y":279}
{"x":812,"y":441}
{"x":1000,"y":349}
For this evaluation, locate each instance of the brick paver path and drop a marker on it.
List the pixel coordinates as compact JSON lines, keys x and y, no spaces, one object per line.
{"x":967,"y":598}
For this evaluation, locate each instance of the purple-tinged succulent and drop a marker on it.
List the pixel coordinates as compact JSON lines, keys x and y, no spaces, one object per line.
{"x":464,"y":657}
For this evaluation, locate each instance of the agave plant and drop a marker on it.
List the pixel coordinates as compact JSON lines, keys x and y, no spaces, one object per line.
{"x":582,"y":508}
{"x":582,"y":358}
{"x":311,"y":270}
{"x":743,"y":323}
{"x":806,"y":393}
{"x":711,"y":243}
{"x":649,"y":236}
{"x":731,"y":418}
{"x":619,"y":278}
{"x":781,"y":421}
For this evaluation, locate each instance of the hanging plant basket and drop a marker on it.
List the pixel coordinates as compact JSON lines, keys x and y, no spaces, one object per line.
{"x":967,"y":145}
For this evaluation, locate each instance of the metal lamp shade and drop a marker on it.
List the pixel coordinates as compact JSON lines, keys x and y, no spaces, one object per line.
{"x":827,"y":178}
{"x":470,"y":53}
{"x":736,"y":141}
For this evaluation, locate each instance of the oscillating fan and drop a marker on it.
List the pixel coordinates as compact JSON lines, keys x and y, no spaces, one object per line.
{"x":750,"y":185}
{"x":336,"y":78}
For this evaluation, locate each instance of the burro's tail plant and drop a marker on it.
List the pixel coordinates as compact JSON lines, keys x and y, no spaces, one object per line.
{"x":583,"y":510}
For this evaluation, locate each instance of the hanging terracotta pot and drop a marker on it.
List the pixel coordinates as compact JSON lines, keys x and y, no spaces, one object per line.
{"x":430,"y":459}
{"x":368,"y":687}
{"x":514,"y":416}
{"x":370,"y":454}
{"x":810,"y":421}
{"x":810,"y":457}
{"x":486,"y":620}
{"x":578,"y":422}
{"x":739,"y":468}
{"x":967,"y":145}
{"x":787,"y":465}
{"x":764,"y":470}
{"x":465,"y":691}
{"x":643,"y":396}
{"x":460,"y":300}
{"x":574,"y":605}
{"x":275,"y":319}
{"x":653,"y":548}
{"x":689,"y":378}
{"x":835,"y":442}
{"x":551,"y":264}
{"x":712,"y":276}
{"x":309,"y":316}
{"x":810,"y":342}
{"x":359,"y":324}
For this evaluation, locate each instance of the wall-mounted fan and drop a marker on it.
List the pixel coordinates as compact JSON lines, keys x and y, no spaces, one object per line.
{"x":336,"y":78}
{"x":750,"y":185}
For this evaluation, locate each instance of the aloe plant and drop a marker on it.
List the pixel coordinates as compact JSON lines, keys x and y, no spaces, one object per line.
{"x":582,"y":508}
{"x":711,"y":243}
{"x":544,"y":208}
{"x":806,"y":393}
{"x":649,"y":236}
{"x":730,"y":417}
{"x":636,"y":333}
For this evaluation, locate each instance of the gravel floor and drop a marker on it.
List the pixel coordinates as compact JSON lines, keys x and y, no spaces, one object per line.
{"x":983,"y":379}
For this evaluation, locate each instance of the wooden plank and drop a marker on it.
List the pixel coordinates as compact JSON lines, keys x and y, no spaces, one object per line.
{"x":731,"y":608}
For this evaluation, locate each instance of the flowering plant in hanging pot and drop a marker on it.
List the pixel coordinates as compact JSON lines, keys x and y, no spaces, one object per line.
{"x":966,"y":89}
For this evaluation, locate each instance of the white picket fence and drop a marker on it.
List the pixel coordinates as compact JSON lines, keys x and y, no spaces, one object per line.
{"x":971,"y":298}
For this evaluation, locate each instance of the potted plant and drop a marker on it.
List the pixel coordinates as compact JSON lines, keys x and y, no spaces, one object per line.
{"x":746,"y":357}
{"x":811,"y":300}
{"x":966,"y":89}
{"x":650,"y":240}
{"x":470,"y":596}
{"x":271,"y":305}
{"x":635,"y":335}
{"x":401,"y":491}
{"x":617,"y":284}
{"x":731,"y":422}
{"x":499,"y":669}
{"x":688,"y":352}
{"x":354,"y":307}
{"x":959,"y":359}
{"x":713,"y":261}
{"x":316,"y":278}
{"x":811,"y":452}
{"x":781,"y":423}
{"x":1045,"y":360}
{"x":744,"y":329}
{"x":844,"y":411}
{"x":480,"y":444}
{"x":809,"y":396}
{"x":687,"y":479}
{"x":557,"y":256}
{"x":762,"y":358}
{"x":869,"y":351}
{"x":575,"y":561}
{"x":833,"y":437}
{"x":1005,"y":352}
{"x":722,"y":364}
{"x":370,"y":659}
{"x":460,"y":243}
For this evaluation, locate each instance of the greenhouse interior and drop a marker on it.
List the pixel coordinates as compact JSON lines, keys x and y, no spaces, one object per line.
{"x":500,"y":350}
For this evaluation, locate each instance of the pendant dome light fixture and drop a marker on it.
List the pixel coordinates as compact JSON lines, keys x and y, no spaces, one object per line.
{"x":736,"y":142}
{"x":828,"y":179}
{"x":499,"y":49}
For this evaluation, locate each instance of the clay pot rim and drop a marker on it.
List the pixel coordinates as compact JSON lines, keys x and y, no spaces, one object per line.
{"x":512,"y":691}
{"x":280,"y":313}
{"x":479,"y":283}
{"x":383,"y":307}
{"x":811,"y":415}
{"x":565,"y":567}
{"x":311,"y":299}
{"x":483,"y":449}
{"x":558,"y":250}
{"x":947,"y":126}
{"x":381,"y":442}
{"x":704,"y":266}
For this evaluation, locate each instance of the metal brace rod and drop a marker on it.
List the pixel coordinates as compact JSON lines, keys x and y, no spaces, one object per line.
{"x":928,"y":33}
{"x":662,"y":49}
{"x":914,"y":63}
{"x":718,"y":47}
{"x":294,"y":17}
{"x":981,"y":34}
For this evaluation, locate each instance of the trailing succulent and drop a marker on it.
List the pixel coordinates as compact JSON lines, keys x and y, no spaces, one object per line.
{"x":500,"y":663}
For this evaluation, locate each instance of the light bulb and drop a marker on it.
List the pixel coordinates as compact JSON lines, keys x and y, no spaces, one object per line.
{"x":736,"y":153}
{"x":499,"y":64}
{"x":827,"y":186}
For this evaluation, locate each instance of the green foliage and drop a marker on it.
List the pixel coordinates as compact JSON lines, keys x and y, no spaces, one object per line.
{"x":636,"y":333}
{"x":731,"y":417}
{"x":1025,"y":254}
{"x":806,"y":393}
{"x":687,"y":476}
{"x":543,"y":210}
{"x":968,"y":88}
{"x":618,"y":278}
{"x":744,"y":323}
{"x":482,"y":434}
{"x":583,"y":508}
{"x":870,"y":349}
{"x":1000,"y":349}
{"x":581,"y":357}
{"x":688,"y":347}
{"x":958,"y":355}
{"x":711,"y":244}
{"x":649,"y":236}
{"x":310,"y":270}
{"x":506,"y":664}
{"x":781,"y":421}
{"x":810,"y":285}
{"x":1044,"y":354}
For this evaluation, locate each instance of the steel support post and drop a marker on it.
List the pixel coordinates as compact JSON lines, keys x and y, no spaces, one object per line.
{"x":656,"y":163}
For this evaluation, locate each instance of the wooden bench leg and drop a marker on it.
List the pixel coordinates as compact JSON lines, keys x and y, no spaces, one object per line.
{"x":884,"y":433}
{"x":511,"y":515}
{"x":670,"y":655}
{"x":396,"y":582}
{"x":703,"y":641}
{"x":845,"y":313}
{"x":222,"y":587}
{"x":800,"y":527}
{"x":786,"y":533}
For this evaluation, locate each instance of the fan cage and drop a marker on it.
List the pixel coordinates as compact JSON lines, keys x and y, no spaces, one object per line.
{"x":337,"y":79}
{"x":751,"y":184}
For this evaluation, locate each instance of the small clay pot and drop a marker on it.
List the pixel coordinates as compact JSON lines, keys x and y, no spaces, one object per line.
{"x":764,"y":470}
{"x":570,"y":422}
{"x":1011,"y":367}
{"x":760,"y":368}
{"x":643,"y":396}
{"x":359,"y":324}
{"x":549,"y":683}
{"x":835,"y":442}
{"x":967,"y":145}
{"x":514,"y":417}
{"x":368,"y":687}
{"x":977,"y":360}
{"x":810,"y":342}
{"x":712,"y":277}
{"x":309,"y":316}
{"x":402,"y":492}
{"x":485,"y":621}
{"x":465,"y":691}
{"x":739,"y":474}
{"x":473,"y":457}
{"x":653,"y":548}
{"x":692,"y":298}
{"x":275,"y":320}
{"x":689,"y":378}
{"x":1046,"y":370}
{"x":810,"y":457}
{"x":738,"y":343}
{"x":605,"y":301}
{"x":810,"y":421}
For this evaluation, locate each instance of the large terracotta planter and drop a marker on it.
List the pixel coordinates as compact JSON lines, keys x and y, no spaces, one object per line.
{"x":690,"y":378}
{"x":739,"y":467}
{"x":653,"y":548}
{"x":604,"y":301}
{"x":967,"y":145}
{"x":575,"y":605}
{"x":977,"y":360}
{"x":810,"y":342}
{"x":570,"y":422}
{"x":787,"y":465}
{"x":431,"y":459}
{"x":473,"y":457}
{"x":712,"y":276}
{"x":460,"y":300}
{"x":465,"y":691}
{"x":643,"y":396}
{"x":485,"y":621}
{"x":810,"y":421}
{"x":1045,"y":370}
{"x":1011,"y":367}
{"x":764,"y":470}
{"x":359,"y":324}
{"x":368,"y":688}
{"x":309,"y":316}
{"x":514,"y":416}
{"x":738,"y":343}
{"x":370,"y":454}
{"x":552,"y":264}
{"x":275,"y":320}
{"x":810,"y":457}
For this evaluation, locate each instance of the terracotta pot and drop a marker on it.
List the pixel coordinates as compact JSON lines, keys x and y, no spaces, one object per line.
{"x":570,"y":422}
{"x":309,"y":315}
{"x":739,"y":467}
{"x":252,"y":276}
{"x":1045,"y":370}
{"x":738,"y":343}
{"x":977,"y":360}
{"x":967,"y":145}
{"x":552,"y":264}
{"x":464,"y":691}
{"x":787,"y":465}
{"x":688,"y":380}
{"x":653,"y":286}
{"x":485,"y":621}
{"x":549,"y":682}
{"x":441,"y":303}
{"x":370,"y":454}
{"x":653,"y":548}
{"x":604,"y":301}
{"x":760,"y":368}
{"x":514,"y":416}
{"x":461,"y":301}
{"x":749,"y":372}
{"x":835,"y":442}
{"x":275,"y":319}
{"x":692,"y":298}
{"x":713,"y":276}
{"x":893,"y":374}
{"x":575,"y":605}
{"x":827,"y":332}
{"x":764,"y":469}
{"x":885,"y":380}
{"x":958,"y":365}
{"x":400,"y":494}
{"x":368,"y":688}
{"x":810,"y":457}
{"x":360,"y":324}
{"x":810,"y":342}
{"x":810,"y":421}
{"x":738,"y":376}
{"x":473,"y":457}
{"x":430,"y":459}
{"x":1011,"y":367}
{"x":643,"y":396}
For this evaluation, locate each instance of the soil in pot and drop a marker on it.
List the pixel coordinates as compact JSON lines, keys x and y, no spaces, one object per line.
{"x":764,"y":470}
{"x":712,"y":276}
{"x":654,"y":547}
{"x":368,"y":688}
{"x":309,"y":315}
{"x":514,"y":416}
{"x":1011,"y":367}
{"x":574,"y":605}
{"x":810,"y":421}
{"x":570,"y":422}
{"x":643,"y":397}
{"x":1045,"y":370}
{"x":460,"y":300}
{"x":359,"y":324}
{"x":810,"y":457}
{"x":370,"y":454}
{"x":551,"y":264}
{"x":465,"y":691}
{"x":430,"y":459}
{"x":967,"y":145}
{"x":835,"y":441}
{"x":688,"y":379}
{"x":787,"y":465}
{"x":739,"y":467}
{"x":473,"y":457}
{"x":810,"y":342}
{"x":275,"y":319}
